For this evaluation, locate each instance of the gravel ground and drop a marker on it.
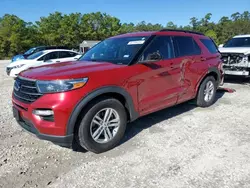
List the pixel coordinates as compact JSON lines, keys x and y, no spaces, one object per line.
{"x":183,"y":146}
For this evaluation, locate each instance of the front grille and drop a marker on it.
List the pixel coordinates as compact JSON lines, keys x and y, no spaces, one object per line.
{"x":232,"y":58}
{"x":25,"y":90}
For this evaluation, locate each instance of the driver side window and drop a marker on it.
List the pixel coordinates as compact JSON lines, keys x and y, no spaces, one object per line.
{"x":161,"y":46}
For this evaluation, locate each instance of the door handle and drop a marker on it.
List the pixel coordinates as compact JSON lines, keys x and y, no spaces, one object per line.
{"x":58,"y":61}
{"x":203,"y":59}
{"x":171,"y":65}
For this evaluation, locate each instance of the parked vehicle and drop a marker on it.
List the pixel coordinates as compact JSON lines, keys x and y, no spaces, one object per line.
{"x":90,"y":102}
{"x":34,"y":50}
{"x":41,"y":58}
{"x":236,"y":55}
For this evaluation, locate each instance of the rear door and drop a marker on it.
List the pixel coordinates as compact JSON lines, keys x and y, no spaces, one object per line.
{"x":188,"y":57}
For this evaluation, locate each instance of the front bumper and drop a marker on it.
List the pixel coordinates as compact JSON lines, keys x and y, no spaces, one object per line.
{"x":237,"y":72}
{"x":65,"y":141}
{"x":54,"y":130}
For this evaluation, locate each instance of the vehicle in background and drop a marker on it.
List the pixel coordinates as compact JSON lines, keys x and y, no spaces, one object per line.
{"x":41,"y":58}
{"x":236,"y":56}
{"x":34,"y":50}
{"x":90,"y":102}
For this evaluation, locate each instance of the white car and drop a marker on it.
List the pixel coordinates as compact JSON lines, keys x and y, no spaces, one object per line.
{"x":41,"y":58}
{"x":235,"y":55}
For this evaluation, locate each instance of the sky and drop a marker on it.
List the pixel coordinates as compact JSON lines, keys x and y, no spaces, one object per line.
{"x":153,"y":11}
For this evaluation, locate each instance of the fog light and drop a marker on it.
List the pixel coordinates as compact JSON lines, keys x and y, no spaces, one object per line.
{"x":43,"y":112}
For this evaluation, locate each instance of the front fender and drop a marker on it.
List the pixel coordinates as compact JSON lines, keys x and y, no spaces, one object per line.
{"x":98,"y":92}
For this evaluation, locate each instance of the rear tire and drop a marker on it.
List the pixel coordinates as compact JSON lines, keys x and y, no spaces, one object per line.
{"x":206,"y":93}
{"x":102,"y":126}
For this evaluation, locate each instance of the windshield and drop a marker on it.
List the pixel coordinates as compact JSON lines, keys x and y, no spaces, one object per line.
{"x":35,"y":55}
{"x":238,"y":42}
{"x":115,"y":50}
{"x":30,"y":51}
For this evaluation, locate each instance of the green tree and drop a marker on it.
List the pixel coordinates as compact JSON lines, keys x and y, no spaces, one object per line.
{"x":15,"y":35}
{"x":98,"y":26}
{"x":49,"y":29}
{"x":171,"y":25}
{"x":69,"y":30}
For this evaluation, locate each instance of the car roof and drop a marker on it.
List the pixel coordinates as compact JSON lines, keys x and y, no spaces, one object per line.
{"x":241,"y":36}
{"x":161,"y":32}
{"x":56,"y":50}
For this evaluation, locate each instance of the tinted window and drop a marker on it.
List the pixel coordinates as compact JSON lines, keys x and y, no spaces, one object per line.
{"x":38,"y":50}
{"x":210,"y":45}
{"x":35,"y":55}
{"x":30,"y":51}
{"x":238,"y":42}
{"x":49,"y":56}
{"x":161,"y":45}
{"x":186,"y":46}
{"x":64,"y":54}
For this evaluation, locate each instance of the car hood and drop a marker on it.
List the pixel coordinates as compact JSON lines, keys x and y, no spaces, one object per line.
{"x":21,"y":62}
{"x":68,"y":70}
{"x":244,"y":50}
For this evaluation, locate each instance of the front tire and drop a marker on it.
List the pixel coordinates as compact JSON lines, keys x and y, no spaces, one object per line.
{"x":102,"y":126}
{"x":206,"y":93}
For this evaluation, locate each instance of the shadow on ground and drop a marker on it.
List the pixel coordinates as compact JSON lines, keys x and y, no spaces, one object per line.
{"x":146,"y":122}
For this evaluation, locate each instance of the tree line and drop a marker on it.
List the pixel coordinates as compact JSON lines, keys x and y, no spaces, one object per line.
{"x":70,"y":30}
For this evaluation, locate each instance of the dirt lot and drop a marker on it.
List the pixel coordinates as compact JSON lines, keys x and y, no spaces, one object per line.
{"x":183,"y":146}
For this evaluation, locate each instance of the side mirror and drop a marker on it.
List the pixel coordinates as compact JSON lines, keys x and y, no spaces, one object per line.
{"x":221,"y":45}
{"x":156,"y":56}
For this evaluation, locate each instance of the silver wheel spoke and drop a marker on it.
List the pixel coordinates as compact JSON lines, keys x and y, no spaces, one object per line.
{"x":109,"y":134}
{"x":98,"y":118}
{"x":96,"y":122}
{"x":206,"y":97}
{"x":107,"y":115}
{"x":211,"y":87}
{"x":113,"y":125}
{"x":98,"y":132}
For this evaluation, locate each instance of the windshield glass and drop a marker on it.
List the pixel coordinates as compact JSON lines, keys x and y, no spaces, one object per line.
{"x":238,"y":42}
{"x":35,"y":55}
{"x":30,"y":51}
{"x":115,"y":50}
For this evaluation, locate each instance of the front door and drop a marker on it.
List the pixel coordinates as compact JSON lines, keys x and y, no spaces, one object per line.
{"x":160,"y":79}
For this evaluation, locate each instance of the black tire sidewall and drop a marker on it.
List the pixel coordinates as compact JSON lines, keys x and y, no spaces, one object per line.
{"x":84,"y":137}
{"x":200,"y":98}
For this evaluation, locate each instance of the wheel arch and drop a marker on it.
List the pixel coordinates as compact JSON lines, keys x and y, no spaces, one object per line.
{"x":212,"y":71}
{"x":113,"y":91}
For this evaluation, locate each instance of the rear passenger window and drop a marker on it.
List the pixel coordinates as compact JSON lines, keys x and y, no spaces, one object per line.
{"x":161,"y":45}
{"x":210,"y":45}
{"x":186,"y":46}
{"x":65,"y":54}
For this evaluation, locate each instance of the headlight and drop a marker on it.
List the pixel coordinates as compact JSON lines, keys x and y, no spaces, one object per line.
{"x":18,"y":66}
{"x":60,"y":85}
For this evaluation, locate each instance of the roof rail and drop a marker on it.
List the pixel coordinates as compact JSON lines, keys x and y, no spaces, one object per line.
{"x":179,"y":30}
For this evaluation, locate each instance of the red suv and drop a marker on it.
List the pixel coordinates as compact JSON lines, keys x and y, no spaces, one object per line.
{"x":90,"y":102}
